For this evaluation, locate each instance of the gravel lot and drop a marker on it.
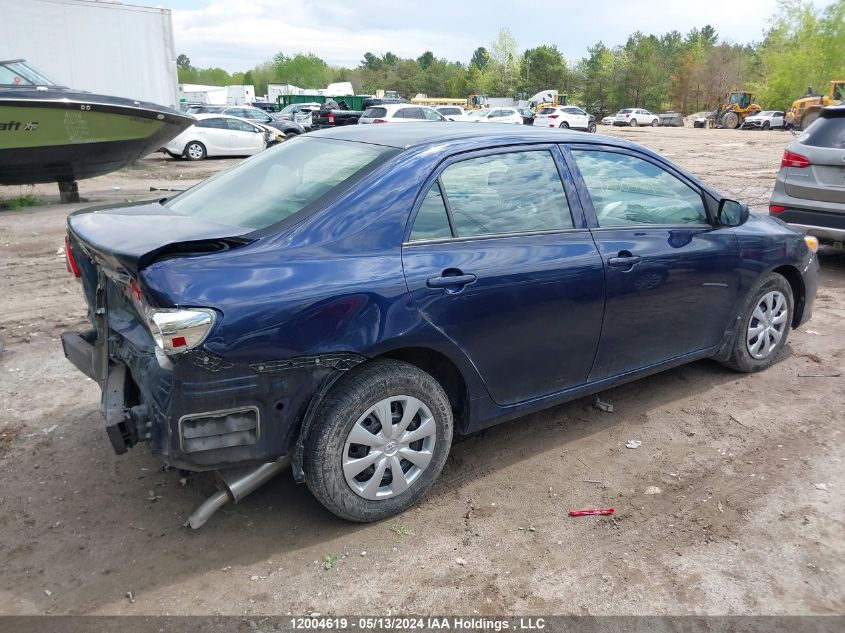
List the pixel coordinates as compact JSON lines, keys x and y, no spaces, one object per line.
{"x":734,"y":503}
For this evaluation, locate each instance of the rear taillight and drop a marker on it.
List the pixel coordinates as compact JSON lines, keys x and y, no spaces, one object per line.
{"x":331,"y":118}
{"x":552,"y":116}
{"x":177,"y":330}
{"x":379,"y":120}
{"x":69,"y":261}
{"x":776,"y":208}
{"x":791,"y":159}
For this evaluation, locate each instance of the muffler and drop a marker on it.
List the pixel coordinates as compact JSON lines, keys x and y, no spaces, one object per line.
{"x":237,"y":483}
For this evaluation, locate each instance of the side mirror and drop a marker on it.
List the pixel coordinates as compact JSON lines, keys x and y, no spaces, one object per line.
{"x":732,"y":213}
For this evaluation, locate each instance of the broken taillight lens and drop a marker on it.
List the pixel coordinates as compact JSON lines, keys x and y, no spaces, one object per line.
{"x":177,"y":330}
{"x":69,"y":261}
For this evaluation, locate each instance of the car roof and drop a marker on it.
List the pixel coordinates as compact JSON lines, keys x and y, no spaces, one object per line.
{"x":421,"y":134}
{"x":217,"y":115}
{"x":393,"y":107}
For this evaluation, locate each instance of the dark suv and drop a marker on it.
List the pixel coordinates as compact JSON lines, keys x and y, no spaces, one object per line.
{"x":809,"y":192}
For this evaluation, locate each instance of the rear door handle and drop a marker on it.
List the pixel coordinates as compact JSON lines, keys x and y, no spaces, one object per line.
{"x":449,"y":281}
{"x":624,"y":262}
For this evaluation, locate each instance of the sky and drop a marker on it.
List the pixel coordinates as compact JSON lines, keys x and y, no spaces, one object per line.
{"x":237,"y":35}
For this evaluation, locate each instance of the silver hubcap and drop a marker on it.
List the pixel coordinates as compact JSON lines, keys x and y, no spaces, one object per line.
{"x":767,"y":324}
{"x":195,"y":151}
{"x":389,"y":447}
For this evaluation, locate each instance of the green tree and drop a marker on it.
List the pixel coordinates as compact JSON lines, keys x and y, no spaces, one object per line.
{"x":426,"y":60}
{"x":543,"y":68}
{"x":480,"y":58}
{"x":305,"y":70}
{"x":182,"y":61}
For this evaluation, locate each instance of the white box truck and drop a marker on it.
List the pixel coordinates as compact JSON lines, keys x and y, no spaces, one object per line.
{"x":104,"y":47}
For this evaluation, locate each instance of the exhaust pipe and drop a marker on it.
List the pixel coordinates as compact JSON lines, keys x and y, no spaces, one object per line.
{"x":237,"y":483}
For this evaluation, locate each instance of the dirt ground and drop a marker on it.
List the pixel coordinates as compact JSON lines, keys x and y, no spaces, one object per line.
{"x":733,"y":504}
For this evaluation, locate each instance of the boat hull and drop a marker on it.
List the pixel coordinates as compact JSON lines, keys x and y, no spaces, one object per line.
{"x":65,"y":137}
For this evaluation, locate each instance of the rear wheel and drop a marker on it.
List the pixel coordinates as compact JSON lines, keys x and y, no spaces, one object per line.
{"x":764,"y":328}
{"x":383,"y":436}
{"x":564,"y":126}
{"x":195,"y":151}
{"x":633,"y":123}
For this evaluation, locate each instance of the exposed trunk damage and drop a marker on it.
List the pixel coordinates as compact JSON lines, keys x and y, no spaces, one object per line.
{"x":196,"y":410}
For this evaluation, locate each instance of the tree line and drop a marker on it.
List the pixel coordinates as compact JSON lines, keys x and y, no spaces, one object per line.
{"x":687,"y":72}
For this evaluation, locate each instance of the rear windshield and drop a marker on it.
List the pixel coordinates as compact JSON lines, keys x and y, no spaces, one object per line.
{"x":626,"y":111}
{"x":826,"y":133}
{"x":275,"y":184}
{"x":374,"y":113}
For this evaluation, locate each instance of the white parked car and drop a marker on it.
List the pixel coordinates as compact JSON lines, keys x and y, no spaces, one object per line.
{"x":768,"y":119}
{"x":635,"y":117}
{"x":220,"y":135}
{"x":476,"y":115}
{"x":571,"y":117}
{"x":453,"y":113}
{"x":400,"y":113}
{"x":502,"y":115}
{"x":608,"y":120}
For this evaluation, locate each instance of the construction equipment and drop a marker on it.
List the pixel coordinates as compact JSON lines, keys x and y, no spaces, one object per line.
{"x":548,"y":98}
{"x":806,"y":109}
{"x":476,"y":102}
{"x":732,"y":112}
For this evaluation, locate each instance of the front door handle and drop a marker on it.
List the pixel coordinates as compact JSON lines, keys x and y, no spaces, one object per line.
{"x":450,"y":281}
{"x":624,"y":261}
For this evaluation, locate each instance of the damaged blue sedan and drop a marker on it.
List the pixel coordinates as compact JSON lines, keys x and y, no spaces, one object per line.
{"x":345,"y":303}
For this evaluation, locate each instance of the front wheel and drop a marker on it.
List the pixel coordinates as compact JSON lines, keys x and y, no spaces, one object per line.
{"x":654,"y":123}
{"x":764,"y":327}
{"x":591,"y":128}
{"x":381,"y":439}
{"x":766,"y":125}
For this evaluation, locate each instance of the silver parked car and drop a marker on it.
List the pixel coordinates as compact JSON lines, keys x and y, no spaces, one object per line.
{"x":809,"y":192}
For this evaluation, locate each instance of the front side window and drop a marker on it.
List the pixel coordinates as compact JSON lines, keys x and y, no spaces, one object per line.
{"x":506,"y":193}
{"x":280,"y":182}
{"x":240,"y":126}
{"x":626,"y":190}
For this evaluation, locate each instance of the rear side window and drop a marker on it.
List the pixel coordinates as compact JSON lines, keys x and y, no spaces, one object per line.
{"x":825,"y":133}
{"x":431,"y":222}
{"x":547,"y":111}
{"x":375,"y":113}
{"x":506,"y":193}
{"x":449,"y":111}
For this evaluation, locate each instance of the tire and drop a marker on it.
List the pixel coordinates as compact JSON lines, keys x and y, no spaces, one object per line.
{"x":633,"y":123}
{"x":195,"y":151}
{"x":350,"y":410}
{"x":808,"y":119}
{"x":730,"y":120}
{"x":564,"y":125}
{"x":290,"y":135}
{"x":769,"y":286}
{"x":654,"y":123}
{"x":591,"y":128}
{"x":766,"y":125}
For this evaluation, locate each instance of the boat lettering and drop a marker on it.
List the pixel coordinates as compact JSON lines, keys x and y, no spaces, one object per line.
{"x":15,"y":126}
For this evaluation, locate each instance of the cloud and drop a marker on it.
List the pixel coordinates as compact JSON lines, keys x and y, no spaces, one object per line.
{"x":237,"y":36}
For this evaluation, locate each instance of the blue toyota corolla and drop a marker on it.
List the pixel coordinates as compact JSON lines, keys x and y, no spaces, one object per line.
{"x":346,"y":302}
